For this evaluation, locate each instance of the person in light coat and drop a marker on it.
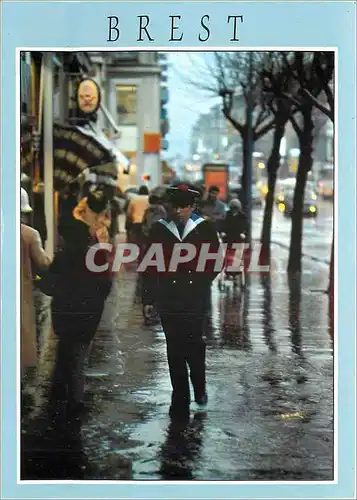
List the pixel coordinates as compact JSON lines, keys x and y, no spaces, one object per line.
{"x":135,"y":214}
{"x":32,"y":256}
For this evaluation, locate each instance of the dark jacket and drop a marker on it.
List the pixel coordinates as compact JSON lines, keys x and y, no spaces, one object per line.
{"x":185,"y":290}
{"x":76,"y":289}
{"x":115,"y":211}
{"x":233,"y":226}
{"x":213,"y":209}
{"x":39,"y":219}
{"x":67,"y":204}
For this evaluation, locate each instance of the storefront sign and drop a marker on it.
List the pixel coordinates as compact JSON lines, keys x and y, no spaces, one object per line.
{"x":152,"y":143}
{"x":88,"y":96}
{"x":216,"y":174}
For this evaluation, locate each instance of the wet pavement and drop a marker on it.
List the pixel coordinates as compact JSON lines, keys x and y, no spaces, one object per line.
{"x":317,"y":236}
{"x":270,"y":388}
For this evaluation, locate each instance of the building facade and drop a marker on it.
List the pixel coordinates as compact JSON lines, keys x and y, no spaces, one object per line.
{"x":214,"y":138}
{"x":132,"y":94}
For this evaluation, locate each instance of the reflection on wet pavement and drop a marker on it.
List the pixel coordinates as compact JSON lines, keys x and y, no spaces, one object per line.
{"x":270,"y":386}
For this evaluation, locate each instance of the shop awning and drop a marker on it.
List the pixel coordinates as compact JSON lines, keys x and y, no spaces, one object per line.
{"x":75,"y":151}
{"x":100,"y":136}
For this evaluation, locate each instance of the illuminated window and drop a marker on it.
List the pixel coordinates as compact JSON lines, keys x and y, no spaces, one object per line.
{"x":126,"y":104}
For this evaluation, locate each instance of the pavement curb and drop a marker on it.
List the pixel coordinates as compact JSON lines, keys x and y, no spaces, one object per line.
{"x":305,"y":255}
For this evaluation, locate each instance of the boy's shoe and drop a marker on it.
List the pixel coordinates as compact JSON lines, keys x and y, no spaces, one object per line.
{"x":202,"y":400}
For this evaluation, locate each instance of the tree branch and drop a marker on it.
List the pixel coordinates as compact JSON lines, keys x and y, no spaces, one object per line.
{"x":291,"y":99}
{"x":295,"y":126}
{"x":238,"y":126}
{"x":259,"y":133}
{"x":261,"y":118}
{"x":331,"y":101}
{"x":324,"y":109}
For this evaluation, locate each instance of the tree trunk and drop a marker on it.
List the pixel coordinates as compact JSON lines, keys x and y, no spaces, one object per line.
{"x":305,"y":164}
{"x":331,"y":289}
{"x":244,"y":178}
{"x":272,"y":168}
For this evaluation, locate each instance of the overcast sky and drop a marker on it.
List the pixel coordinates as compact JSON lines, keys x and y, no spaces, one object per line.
{"x":186,"y":101}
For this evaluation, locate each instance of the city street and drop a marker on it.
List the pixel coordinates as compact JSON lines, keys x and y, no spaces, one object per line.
{"x":270,"y":387}
{"x":105,"y":133}
{"x":317,"y":236}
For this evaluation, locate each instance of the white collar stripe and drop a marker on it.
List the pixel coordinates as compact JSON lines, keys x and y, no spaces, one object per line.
{"x":190,"y":226}
{"x":171,"y":226}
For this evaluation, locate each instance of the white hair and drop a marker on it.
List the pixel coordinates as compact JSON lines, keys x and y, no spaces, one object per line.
{"x":235,"y":203}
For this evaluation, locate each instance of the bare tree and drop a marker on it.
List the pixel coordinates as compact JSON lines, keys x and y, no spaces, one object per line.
{"x":236,"y":78}
{"x":324,"y":68}
{"x":323,"y":65}
{"x":302,"y":95}
{"x":239,"y":79}
{"x":276,"y":80}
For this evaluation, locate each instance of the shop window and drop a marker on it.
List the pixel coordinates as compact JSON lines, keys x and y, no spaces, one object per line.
{"x":126,"y":104}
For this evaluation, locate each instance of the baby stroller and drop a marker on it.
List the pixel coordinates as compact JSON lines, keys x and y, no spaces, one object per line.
{"x":232,"y":258}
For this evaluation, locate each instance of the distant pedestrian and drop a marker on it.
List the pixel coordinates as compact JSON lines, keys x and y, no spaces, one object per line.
{"x":199,"y":204}
{"x":135,"y":212}
{"x":153,"y":213}
{"x":213,"y":208}
{"x":181,"y":296}
{"x":235,"y":225}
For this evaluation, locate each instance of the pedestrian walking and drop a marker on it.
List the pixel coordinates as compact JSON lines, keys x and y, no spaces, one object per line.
{"x":33,"y":257}
{"x":153,"y":213}
{"x":213,"y":208}
{"x":233,"y":231}
{"x":135,"y":213}
{"x":200,"y":202}
{"x":181,"y":295}
{"x":78,"y":299}
{"x":235,"y":225}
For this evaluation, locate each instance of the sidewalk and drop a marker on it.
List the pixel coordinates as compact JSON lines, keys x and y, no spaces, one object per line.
{"x":270,"y":382}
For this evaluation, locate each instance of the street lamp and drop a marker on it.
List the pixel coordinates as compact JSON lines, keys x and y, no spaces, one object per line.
{"x":227,"y":96}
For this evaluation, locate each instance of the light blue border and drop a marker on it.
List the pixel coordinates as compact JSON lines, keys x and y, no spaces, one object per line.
{"x":314,"y":24}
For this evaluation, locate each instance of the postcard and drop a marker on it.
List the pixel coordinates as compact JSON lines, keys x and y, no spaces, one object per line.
{"x":178,"y":237}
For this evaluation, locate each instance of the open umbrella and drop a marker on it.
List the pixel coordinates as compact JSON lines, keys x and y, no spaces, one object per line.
{"x":75,"y":152}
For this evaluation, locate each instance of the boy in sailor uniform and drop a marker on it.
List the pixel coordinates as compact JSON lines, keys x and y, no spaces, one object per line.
{"x":181,"y":293}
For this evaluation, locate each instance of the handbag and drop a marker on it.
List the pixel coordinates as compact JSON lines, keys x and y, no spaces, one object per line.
{"x":47,"y":282}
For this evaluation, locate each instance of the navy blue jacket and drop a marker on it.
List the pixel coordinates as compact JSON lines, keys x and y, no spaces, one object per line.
{"x":184,"y":290}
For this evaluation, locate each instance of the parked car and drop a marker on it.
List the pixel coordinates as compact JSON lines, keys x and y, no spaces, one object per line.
{"x":284,"y":188}
{"x":257,"y":200}
{"x":310,"y":208}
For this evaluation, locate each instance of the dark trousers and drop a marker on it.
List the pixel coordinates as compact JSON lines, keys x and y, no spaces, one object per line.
{"x":185,"y":348}
{"x":75,"y":333}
